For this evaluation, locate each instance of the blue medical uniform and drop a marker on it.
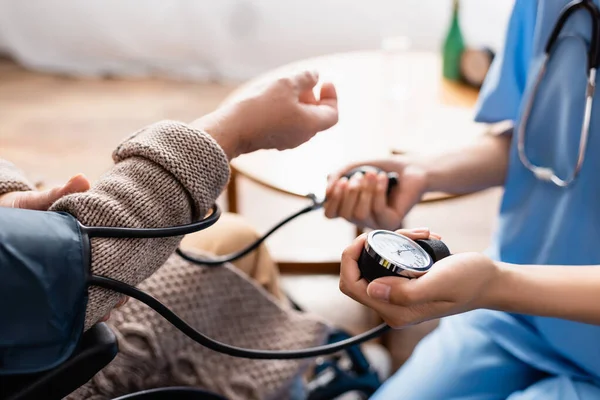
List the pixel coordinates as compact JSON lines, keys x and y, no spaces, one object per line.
{"x":495,"y":355}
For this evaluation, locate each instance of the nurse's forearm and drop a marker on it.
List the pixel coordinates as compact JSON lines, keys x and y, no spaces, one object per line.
{"x":567,"y":292}
{"x":477,"y":166}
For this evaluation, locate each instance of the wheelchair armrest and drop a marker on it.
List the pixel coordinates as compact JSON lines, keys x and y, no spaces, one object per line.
{"x":97,"y":348}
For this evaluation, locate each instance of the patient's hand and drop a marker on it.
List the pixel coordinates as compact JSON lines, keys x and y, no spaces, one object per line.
{"x":34,"y":200}
{"x":283,"y":114}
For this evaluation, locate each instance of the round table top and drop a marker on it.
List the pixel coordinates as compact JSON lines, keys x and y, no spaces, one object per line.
{"x":388,"y":102}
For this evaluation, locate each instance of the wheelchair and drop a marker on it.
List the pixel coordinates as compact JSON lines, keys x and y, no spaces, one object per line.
{"x":98,"y":347}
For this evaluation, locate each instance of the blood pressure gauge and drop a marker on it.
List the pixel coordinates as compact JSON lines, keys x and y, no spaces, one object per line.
{"x":388,"y":253}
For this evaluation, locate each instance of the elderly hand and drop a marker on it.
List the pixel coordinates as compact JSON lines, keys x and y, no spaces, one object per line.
{"x":42,"y":200}
{"x":456,"y":284}
{"x":281,"y":115}
{"x":363,"y":199}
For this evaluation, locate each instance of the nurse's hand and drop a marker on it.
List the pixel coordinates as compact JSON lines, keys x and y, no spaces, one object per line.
{"x":363,"y":199}
{"x":454,"y":285}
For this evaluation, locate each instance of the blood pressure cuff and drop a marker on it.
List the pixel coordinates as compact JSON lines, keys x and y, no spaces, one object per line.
{"x":44,"y":264}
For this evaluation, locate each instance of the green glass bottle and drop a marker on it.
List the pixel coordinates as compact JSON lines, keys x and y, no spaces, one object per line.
{"x":453,"y":47}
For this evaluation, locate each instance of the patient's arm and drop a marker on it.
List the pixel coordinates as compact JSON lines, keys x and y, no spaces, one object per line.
{"x":166,"y":174}
{"x":171,"y":173}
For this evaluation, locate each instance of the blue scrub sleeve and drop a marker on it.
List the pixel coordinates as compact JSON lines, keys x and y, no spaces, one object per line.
{"x":502,"y":91}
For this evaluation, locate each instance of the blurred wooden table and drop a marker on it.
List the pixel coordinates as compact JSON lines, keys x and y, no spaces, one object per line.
{"x":388,"y":102}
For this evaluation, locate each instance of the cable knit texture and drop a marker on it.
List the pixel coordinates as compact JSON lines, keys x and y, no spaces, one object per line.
{"x":168,"y":174}
{"x":225,"y":305}
{"x":12,"y":179}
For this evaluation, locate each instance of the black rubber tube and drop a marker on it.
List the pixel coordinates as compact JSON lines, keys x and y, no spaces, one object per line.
{"x":200,"y":338}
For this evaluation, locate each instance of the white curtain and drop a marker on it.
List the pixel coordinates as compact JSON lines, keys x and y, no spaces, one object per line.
{"x":224,"y":39}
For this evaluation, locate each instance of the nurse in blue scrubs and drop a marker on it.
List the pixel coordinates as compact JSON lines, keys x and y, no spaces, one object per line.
{"x":523,"y":320}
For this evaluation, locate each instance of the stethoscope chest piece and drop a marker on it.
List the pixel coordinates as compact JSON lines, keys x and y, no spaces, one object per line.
{"x":388,"y":253}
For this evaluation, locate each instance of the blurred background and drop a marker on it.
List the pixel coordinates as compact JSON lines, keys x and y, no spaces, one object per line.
{"x":76,"y":77}
{"x":225,"y":39}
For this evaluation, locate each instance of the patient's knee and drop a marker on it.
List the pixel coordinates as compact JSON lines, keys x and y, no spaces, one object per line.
{"x":231,"y":233}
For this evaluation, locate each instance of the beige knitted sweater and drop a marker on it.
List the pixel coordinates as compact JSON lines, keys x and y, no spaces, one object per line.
{"x":169,"y":174}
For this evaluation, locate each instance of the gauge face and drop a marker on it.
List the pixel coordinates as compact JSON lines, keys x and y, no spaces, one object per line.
{"x":399,"y":250}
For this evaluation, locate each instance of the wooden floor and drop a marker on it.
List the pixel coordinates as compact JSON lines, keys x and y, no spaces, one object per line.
{"x":53,"y":126}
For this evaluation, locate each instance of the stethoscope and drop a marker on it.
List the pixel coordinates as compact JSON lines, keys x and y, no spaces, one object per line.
{"x":385,"y":254}
{"x":593,"y":55}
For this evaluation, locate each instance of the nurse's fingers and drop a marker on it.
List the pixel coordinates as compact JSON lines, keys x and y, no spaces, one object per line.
{"x":415,"y":233}
{"x":380,"y":195}
{"x":351,"y":283}
{"x":334,"y":198}
{"x":363,"y":207}
{"x":398,"y":291}
{"x":350,"y":197}
{"x":351,"y":254}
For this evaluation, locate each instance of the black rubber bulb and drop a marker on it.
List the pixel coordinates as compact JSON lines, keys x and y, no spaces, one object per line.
{"x":392,"y":176}
{"x":435,"y":248}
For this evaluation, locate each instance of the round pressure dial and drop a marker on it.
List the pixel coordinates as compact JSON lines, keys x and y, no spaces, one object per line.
{"x":388,"y":253}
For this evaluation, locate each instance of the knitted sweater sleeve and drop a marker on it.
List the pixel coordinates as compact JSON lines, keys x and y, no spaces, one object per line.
{"x":165,"y":174}
{"x":12,"y":179}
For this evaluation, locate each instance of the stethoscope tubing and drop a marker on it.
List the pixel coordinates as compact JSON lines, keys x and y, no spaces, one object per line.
{"x":546,"y":173}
